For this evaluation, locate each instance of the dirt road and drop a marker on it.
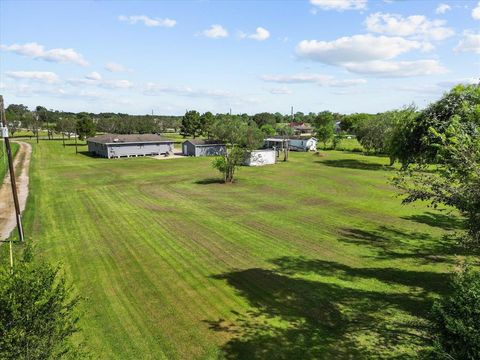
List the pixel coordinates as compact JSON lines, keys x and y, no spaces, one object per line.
{"x":7,"y":208}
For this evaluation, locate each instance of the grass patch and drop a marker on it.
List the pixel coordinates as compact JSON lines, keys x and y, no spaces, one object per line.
{"x":3,"y":158}
{"x":314,"y":258}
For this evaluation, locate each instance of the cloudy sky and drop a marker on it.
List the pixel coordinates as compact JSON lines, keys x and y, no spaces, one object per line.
{"x":135,"y":57}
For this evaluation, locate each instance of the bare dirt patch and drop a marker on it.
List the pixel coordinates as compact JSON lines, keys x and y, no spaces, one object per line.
{"x":7,"y":208}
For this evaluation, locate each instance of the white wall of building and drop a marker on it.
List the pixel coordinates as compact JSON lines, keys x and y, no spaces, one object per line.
{"x":261,"y":157}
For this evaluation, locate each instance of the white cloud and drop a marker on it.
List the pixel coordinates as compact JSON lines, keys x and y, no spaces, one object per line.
{"x":95,"y":79}
{"x":476,"y":12}
{"x":215,"y":31}
{"x":347,"y":82}
{"x":380,"y":68}
{"x":356,"y":48}
{"x":37,"y":51}
{"x":340,"y":5}
{"x":442,"y":8}
{"x":260,"y":34}
{"x":417,"y":26}
{"x":114,"y":67}
{"x":93,"y":76}
{"x":319,"y":79}
{"x":298,"y":78}
{"x":451,"y":83}
{"x":154,"y":89}
{"x":40,"y":76}
{"x":470,"y":42}
{"x":281,"y":91}
{"x":116,"y":84}
{"x":147,"y":21}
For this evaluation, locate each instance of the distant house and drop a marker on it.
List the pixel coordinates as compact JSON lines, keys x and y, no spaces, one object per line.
{"x":117,"y":146}
{"x":261,"y":157}
{"x":301,"y":128}
{"x":197,"y":147}
{"x":295,"y":143}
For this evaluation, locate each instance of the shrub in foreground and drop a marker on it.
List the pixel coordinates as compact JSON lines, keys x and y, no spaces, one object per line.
{"x":37,"y":312}
{"x":457,"y":319}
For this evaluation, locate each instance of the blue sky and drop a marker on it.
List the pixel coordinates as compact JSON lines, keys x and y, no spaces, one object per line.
{"x":251,"y":56}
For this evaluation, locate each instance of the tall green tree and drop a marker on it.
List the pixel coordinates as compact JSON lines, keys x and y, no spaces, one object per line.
{"x":324,"y":124}
{"x":454,"y":179}
{"x":85,"y":127}
{"x":268,"y":130}
{"x":240,"y":137}
{"x":462,"y":101}
{"x":17,"y":116}
{"x":206,"y":121}
{"x":191,"y":124}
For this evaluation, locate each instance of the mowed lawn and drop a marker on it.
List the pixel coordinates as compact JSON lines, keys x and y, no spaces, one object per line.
{"x":311,"y":259}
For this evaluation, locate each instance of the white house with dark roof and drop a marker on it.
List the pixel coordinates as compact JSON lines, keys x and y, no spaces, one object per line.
{"x":117,"y":146}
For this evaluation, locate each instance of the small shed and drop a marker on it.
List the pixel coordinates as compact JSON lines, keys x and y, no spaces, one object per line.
{"x":261,"y":157}
{"x":197,"y":147}
{"x":117,"y":145}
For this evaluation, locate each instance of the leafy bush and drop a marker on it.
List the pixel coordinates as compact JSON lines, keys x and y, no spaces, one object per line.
{"x":37,"y":313}
{"x":457,"y":319}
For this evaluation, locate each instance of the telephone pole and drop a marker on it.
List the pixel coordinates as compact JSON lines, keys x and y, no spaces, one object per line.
{"x":3,"y":123}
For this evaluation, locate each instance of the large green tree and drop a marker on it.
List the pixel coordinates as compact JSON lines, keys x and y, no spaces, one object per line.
{"x":462,"y":101}
{"x":85,"y":126}
{"x":191,"y":124}
{"x":206,"y":122}
{"x":324,"y":124}
{"x":17,"y":115}
{"x":454,"y":150}
{"x":240,"y":136}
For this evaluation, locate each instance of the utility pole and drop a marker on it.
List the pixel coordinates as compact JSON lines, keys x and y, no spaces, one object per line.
{"x":63,"y":131}
{"x":3,"y":122}
{"x":76,"y":148}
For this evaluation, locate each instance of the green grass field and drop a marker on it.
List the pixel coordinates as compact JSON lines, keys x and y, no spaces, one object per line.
{"x":310,"y":259}
{"x":3,"y":158}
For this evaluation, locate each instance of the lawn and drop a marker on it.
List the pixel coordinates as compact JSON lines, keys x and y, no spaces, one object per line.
{"x":310,"y":259}
{"x":3,"y":158}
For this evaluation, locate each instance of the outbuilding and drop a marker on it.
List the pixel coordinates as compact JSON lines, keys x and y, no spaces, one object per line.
{"x":198,"y":147}
{"x":261,"y":157}
{"x":303,"y":143}
{"x":295,"y":143}
{"x":132,"y":145}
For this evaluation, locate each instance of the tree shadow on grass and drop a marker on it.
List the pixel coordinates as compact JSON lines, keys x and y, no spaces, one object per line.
{"x":355,"y":164}
{"x":442,"y":221}
{"x":295,"y":317}
{"x":89,"y":154}
{"x":210,"y":181}
{"x":79,"y":144}
{"x":390,"y":243}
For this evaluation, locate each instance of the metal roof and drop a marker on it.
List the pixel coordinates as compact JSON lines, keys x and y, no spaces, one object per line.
{"x":128,"y":138}
{"x":201,"y":142}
